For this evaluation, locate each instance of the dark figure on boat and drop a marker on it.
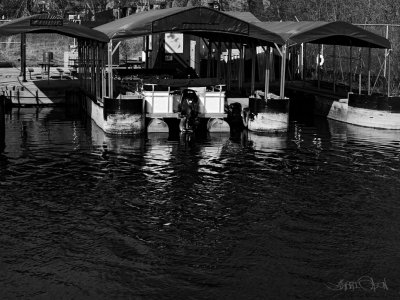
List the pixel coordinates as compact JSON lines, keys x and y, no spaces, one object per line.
{"x":234,"y":112}
{"x":189,"y":111}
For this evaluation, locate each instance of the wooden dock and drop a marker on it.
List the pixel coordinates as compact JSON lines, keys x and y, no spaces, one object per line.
{"x":38,"y":90}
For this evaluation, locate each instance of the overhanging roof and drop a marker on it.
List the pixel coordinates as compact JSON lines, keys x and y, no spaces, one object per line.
{"x":329,"y":33}
{"x":199,"y":21}
{"x":44,"y":24}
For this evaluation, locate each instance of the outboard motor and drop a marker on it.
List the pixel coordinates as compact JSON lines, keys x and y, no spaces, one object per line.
{"x":190,"y":106}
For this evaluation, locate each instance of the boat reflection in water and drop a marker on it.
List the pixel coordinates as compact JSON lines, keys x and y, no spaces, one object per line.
{"x":268,"y":143}
{"x":114,"y":143}
{"x":343,"y":132}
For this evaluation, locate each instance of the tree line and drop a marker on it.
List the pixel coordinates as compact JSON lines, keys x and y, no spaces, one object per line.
{"x":355,"y":11}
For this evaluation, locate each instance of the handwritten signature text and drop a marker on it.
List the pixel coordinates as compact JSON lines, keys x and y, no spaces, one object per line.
{"x":364,"y":283}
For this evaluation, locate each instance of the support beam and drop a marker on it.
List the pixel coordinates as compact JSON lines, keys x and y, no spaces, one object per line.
{"x":116,"y":47}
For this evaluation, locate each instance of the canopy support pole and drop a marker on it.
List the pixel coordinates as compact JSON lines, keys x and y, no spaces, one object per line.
{"x":209,"y":58}
{"x":386,"y":52}
{"x":253,"y":67}
{"x":229,"y":66}
{"x":334,"y":68}
{"x":351,"y":70}
{"x":219,"y":60}
{"x":23,"y":57}
{"x":304,"y":62}
{"x":242,"y":58}
{"x":388,"y":75}
{"x":283,"y":71}
{"x":147,"y":40}
{"x":369,"y":71}
{"x":301,"y":62}
{"x":110,"y":70}
{"x":267,"y":67}
{"x":103,"y":70}
{"x":319,"y":65}
{"x":271,"y":63}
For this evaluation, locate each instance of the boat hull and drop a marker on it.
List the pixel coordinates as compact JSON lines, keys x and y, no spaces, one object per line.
{"x":374,"y":115}
{"x":271,"y":115}
{"x":117,"y":116}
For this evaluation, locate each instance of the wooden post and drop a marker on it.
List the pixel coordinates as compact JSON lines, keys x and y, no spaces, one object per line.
{"x":359,"y":83}
{"x":283,"y":72}
{"x":369,"y":71}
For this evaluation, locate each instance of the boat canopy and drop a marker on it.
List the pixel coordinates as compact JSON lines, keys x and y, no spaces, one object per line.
{"x":328,"y":33}
{"x":43,"y":23}
{"x":200,"y":21}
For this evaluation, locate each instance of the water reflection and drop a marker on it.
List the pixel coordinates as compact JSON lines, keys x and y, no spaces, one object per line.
{"x":212,"y":216}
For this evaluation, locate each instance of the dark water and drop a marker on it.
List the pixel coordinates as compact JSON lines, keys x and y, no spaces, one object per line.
{"x":86,"y":216}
